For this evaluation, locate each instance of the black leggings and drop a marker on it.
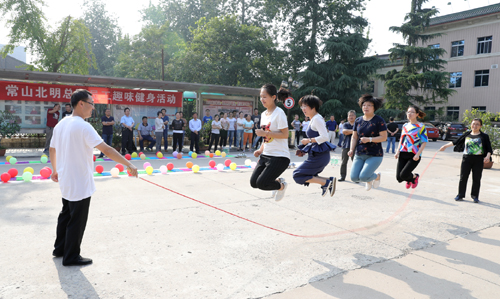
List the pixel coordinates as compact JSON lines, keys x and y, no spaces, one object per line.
{"x":266,"y":172}
{"x":177,"y":140}
{"x":223,"y":138}
{"x":214,"y":138}
{"x":297,"y":138}
{"x":476,"y":164}
{"x":406,"y":165}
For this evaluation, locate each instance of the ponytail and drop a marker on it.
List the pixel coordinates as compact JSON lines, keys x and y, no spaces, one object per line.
{"x":420,"y":114}
{"x":281,"y":95}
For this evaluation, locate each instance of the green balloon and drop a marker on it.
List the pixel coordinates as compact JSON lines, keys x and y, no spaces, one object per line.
{"x":13,"y":160}
{"x":27,"y":176}
{"x":44,"y":160}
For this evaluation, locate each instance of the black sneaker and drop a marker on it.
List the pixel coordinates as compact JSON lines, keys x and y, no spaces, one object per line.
{"x":475,"y":198}
{"x":341,"y":179}
{"x":458,"y":198}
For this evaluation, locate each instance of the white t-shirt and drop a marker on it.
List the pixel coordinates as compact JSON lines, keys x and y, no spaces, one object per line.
{"x":305,"y":124}
{"x":216,"y":124}
{"x":240,"y":123}
{"x":232,"y":123}
{"x":159,"y":125}
{"x":277,"y":121}
{"x":341,"y":128}
{"x":74,"y":140}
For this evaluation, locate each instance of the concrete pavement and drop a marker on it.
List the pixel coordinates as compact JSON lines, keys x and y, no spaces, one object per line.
{"x":148,"y":242}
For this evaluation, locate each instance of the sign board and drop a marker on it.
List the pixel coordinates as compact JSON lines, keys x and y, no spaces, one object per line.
{"x":289,"y":103}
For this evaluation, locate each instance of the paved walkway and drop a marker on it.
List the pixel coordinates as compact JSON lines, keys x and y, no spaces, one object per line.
{"x":178,"y":236}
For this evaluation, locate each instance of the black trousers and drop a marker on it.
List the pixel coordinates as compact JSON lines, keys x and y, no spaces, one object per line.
{"x":195,"y":140}
{"x":406,"y":165}
{"x":71,"y":225}
{"x":297,"y":138}
{"x":177,"y":140}
{"x":214,"y":138}
{"x":266,"y":172}
{"x":223,"y":138}
{"x":474,"y":163}
{"x":127,"y":141}
{"x":345,"y":159}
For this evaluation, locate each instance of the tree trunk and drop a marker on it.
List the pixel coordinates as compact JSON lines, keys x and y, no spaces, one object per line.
{"x":314,"y":31}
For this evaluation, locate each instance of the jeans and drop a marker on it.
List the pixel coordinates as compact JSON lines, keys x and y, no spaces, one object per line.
{"x":266,"y":172}
{"x":149,"y":138}
{"x":165,"y":139}
{"x":230,"y":135}
{"x":364,"y":167}
{"x":239,"y":138}
{"x":255,"y":141}
{"x":476,"y":164}
{"x":406,"y":165}
{"x":341,"y":139}
{"x":108,"y":138}
{"x":390,"y":140}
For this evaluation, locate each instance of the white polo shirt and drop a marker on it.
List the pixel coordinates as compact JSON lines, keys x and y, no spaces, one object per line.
{"x":74,"y":140}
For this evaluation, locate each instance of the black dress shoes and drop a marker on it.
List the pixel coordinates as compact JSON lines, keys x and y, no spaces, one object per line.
{"x":341,"y":180}
{"x":56,"y":254}
{"x":80,"y":261}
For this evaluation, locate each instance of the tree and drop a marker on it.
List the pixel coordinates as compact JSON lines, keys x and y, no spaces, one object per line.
{"x":105,"y":34}
{"x":62,"y":50}
{"x":421,"y":81}
{"x":225,"y":52}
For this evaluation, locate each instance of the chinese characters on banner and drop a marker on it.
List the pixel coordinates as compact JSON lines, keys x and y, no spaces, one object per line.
{"x":218,"y":106}
{"x":20,"y":91}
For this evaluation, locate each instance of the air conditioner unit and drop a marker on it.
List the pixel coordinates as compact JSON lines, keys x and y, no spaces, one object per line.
{"x":494,"y":66}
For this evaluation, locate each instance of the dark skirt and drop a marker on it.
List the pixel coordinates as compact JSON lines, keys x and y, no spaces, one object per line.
{"x":312,"y":166}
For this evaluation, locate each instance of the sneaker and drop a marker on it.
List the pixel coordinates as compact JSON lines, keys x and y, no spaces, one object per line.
{"x":341,"y":179}
{"x":476,"y":199}
{"x":376,"y":183}
{"x":100,"y":156}
{"x":415,"y":182}
{"x":368,"y":186}
{"x":280,"y":193}
{"x":459,"y":198}
{"x":325,"y":187}
{"x":408,"y":185}
{"x":281,"y":181}
{"x":332,"y":186}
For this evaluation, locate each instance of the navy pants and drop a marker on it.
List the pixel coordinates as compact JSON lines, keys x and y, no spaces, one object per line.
{"x":152,"y":142}
{"x":312,"y":166}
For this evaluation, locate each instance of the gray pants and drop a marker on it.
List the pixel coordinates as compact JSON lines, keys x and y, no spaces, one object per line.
{"x":345,"y":159}
{"x":159,"y":136}
{"x":48,"y":137}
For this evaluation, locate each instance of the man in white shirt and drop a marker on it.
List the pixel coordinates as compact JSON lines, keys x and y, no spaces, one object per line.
{"x":195,"y":127}
{"x":71,"y":151}
{"x":127,"y":123}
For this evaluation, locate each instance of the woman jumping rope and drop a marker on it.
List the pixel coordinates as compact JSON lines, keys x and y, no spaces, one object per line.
{"x":273,"y":152}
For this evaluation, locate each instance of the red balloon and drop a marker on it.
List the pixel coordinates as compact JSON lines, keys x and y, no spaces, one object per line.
{"x":94,"y":157}
{"x":170,"y":166}
{"x":141,"y":153}
{"x":128,"y":157}
{"x":120,"y":167}
{"x":179,"y":156}
{"x":211,"y":163}
{"x":45,"y":173}
{"x":99,"y":169}
{"x":12,"y":172}
{"x":5,"y":177}
{"x":227,"y":162}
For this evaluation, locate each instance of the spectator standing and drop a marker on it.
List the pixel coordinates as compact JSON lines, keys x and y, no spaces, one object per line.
{"x":247,"y":132}
{"x":71,"y":158}
{"x":256,"y":125}
{"x":347,"y":129}
{"x":232,"y":129}
{"x":166,"y":120}
{"x":159,"y":128}
{"x":305,"y":124}
{"x":392,"y":129}
{"x":108,"y":122}
{"x":206,"y":119}
{"x":195,"y":127}
{"x":239,"y":131}
{"x":341,"y":132}
{"x":216,"y":127}
{"x":146,"y":133}
{"x":332,"y":127}
{"x":67,"y":111}
{"x":178,"y":132}
{"x":223,"y":132}
{"x":127,"y":123}
{"x":296,"y":124}
{"x":52,"y":120}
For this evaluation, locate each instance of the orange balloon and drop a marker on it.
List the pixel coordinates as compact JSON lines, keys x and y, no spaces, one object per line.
{"x":189,"y":165}
{"x":211,"y":155}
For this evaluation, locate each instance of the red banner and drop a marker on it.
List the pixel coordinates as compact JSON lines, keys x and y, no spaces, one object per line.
{"x":21,"y":91}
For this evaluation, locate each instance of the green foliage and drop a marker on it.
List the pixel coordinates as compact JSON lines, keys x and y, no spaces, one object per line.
{"x":421,"y":81}
{"x":206,"y":129}
{"x":8,"y":125}
{"x":488,"y":127}
{"x":61,"y":50}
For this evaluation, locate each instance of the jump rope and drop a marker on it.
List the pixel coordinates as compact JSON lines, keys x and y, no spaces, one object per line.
{"x":348,"y":231}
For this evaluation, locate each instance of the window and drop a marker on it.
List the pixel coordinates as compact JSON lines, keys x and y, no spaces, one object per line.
{"x":457,"y":48}
{"x":431,"y":113}
{"x":480,"y":108}
{"x":453,"y":112}
{"x":482,"y":78}
{"x":484,"y":45}
{"x":455,"y":79}
{"x":435,"y":46}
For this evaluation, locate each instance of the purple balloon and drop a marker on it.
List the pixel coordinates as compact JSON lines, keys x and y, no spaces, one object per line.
{"x":175,"y":154}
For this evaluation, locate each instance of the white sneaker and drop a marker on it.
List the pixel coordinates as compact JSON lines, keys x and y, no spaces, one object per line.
{"x":376,"y":183}
{"x":368,"y":185}
{"x":280,"y":193}
{"x":281,"y":180}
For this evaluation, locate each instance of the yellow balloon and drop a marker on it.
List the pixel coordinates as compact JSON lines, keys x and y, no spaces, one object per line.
{"x":143,"y":157}
{"x":149,"y":170}
{"x":159,"y":155}
{"x":29,"y":169}
{"x":134,"y":155}
{"x":217,"y":152}
{"x":8,"y":158}
{"x":196,"y":168}
{"x":223,"y":154}
{"x":44,"y":155}
{"x":232,"y":166}
{"x":194,"y":155}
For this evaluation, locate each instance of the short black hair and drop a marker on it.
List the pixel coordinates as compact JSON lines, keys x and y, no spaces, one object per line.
{"x":67,"y":104}
{"x":312,"y":101}
{"x":144,"y":117}
{"x":245,"y":116}
{"x":478,"y":120}
{"x":79,"y":95}
{"x":256,"y":109}
{"x":126,"y":108}
{"x":158,"y":113}
{"x":193,"y":113}
{"x":377,"y":102}
{"x":207,"y":110}
{"x":391,"y":118}
{"x":163,"y":110}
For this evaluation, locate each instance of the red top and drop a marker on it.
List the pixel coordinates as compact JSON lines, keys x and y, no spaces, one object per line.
{"x":52,"y":118}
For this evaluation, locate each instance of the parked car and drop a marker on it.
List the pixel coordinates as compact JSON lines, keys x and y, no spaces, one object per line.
{"x":452,"y":130}
{"x":432,"y":131}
